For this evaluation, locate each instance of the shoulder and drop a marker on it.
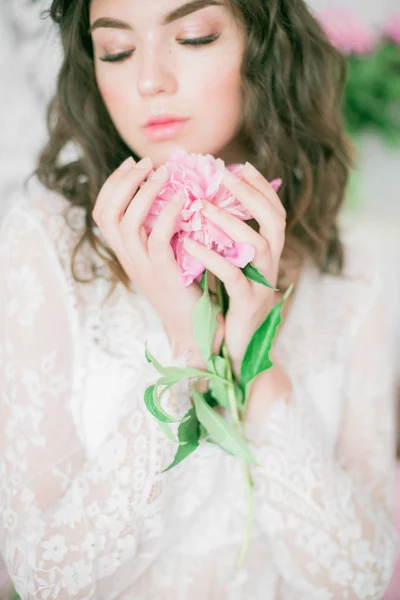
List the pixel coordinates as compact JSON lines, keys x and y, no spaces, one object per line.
{"x":340,"y":303}
{"x":59,"y":225}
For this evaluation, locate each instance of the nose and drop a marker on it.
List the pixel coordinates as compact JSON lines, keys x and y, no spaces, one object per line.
{"x":155,"y":74}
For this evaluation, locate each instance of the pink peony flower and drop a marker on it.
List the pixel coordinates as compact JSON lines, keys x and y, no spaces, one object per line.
{"x":392,"y":29}
{"x":200,"y":179}
{"x":346,"y":31}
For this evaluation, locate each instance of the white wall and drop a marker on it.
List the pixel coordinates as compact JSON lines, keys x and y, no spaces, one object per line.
{"x":29,"y":59}
{"x":374,"y":12}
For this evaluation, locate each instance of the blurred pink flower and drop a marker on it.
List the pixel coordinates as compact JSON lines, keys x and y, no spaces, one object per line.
{"x":200,"y":179}
{"x":392,"y":29}
{"x":346,"y":31}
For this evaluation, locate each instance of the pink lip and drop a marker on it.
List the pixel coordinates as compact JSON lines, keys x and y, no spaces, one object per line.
{"x":163,"y":128}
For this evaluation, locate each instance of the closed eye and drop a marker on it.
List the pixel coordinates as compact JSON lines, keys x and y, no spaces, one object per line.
{"x":204,"y":41}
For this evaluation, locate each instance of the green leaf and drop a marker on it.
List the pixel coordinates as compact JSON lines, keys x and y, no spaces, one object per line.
{"x":154,"y":407}
{"x":189,"y":429}
{"x":254,"y":275}
{"x":205,"y":322}
{"x":147,"y":354}
{"x":168,"y":432}
{"x":203,"y":281}
{"x":183,"y":452}
{"x":219,"y":364}
{"x":151,"y":359}
{"x":219,"y":389}
{"x":205,"y":435}
{"x":172,"y":373}
{"x":220,"y":430}
{"x":188,"y":435}
{"x":256,"y":358}
{"x":239,"y":395}
{"x":211,"y":401}
{"x":288,"y":292}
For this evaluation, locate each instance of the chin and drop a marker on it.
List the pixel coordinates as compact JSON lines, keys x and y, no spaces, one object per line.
{"x":160,"y":152}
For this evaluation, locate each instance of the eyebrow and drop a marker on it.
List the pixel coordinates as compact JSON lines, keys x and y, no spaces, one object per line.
{"x":175,"y":15}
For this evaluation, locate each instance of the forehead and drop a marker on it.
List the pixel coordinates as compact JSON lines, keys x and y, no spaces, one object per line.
{"x":156,"y":8}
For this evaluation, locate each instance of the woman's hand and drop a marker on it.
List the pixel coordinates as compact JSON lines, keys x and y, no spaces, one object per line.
{"x":120,"y":211}
{"x":250,"y":302}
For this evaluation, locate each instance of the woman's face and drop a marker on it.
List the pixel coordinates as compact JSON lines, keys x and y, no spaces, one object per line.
{"x":161,"y":74}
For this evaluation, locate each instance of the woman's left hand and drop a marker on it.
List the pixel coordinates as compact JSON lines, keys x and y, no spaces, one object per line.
{"x":249,"y":302}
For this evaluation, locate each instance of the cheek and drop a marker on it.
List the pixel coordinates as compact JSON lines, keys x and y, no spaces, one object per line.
{"x":112,"y":93}
{"x":222,"y":85}
{"x":221,"y":81}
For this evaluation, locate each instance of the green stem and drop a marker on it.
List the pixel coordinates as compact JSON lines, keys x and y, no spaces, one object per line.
{"x":231,"y":389}
{"x":207,"y":375}
{"x":238,"y":423}
{"x":247,"y":477}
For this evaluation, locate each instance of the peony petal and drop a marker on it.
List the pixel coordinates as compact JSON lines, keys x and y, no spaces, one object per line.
{"x":218,"y":236}
{"x":276,"y":184}
{"x":189,"y":267}
{"x":241,"y":255}
{"x":200,"y":177}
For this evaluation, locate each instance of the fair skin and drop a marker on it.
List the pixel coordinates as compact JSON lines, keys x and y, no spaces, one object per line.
{"x":167,"y":74}
{"x":157,"y":74}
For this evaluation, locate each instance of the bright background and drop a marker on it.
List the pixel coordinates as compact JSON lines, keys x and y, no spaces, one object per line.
{"x":29,"y":59}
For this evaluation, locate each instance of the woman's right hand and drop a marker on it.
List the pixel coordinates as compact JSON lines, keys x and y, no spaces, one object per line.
{"x":120,"y":212}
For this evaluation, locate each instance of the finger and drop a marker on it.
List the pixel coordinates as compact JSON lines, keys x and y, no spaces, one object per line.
{"x":272,"y":224}
{"x":159,"y":242}
{"x":239,"y":231}
{"x":118,"y":193}
{"x":111,"y":182}
{"x":260,"y":183}
{"x":237,"y":285}
{"x":138,"y":210}
{"x":118,"y":174}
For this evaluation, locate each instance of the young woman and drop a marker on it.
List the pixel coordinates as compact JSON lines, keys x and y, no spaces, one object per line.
{"x":86,"y":512}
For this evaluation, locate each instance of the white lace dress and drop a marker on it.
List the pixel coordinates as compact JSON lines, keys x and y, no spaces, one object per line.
{"x":85,"y":512}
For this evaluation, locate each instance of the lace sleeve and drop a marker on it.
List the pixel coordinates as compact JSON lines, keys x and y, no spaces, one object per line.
{"x":329,"y":511}
{"x":70,"y":527}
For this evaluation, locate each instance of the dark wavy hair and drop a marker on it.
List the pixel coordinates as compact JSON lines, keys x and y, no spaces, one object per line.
{"x":292,"y":85}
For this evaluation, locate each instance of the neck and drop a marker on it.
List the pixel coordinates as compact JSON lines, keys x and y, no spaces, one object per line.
{"x":236,"y":152}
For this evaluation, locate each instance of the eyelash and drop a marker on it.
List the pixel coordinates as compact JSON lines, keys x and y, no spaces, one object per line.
{"x":204,"y":41}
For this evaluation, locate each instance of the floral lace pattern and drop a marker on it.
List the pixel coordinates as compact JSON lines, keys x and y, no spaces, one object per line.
{"x":85,"y":511}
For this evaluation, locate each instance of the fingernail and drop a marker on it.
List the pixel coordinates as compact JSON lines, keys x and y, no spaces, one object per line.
{"x":276,"y":184}
{"x":145,"y":163}
{"x":230,"y":178}
{"x":160,"y":173}
{"x":127,"y":164}
{"x":250,"y":170}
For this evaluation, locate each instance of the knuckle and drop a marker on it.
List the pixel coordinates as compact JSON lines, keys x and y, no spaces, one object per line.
{"x":126,"y":229}
{"x":236,"y":278}
{"x":155,"y":245}
{"x":262,"y":246}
